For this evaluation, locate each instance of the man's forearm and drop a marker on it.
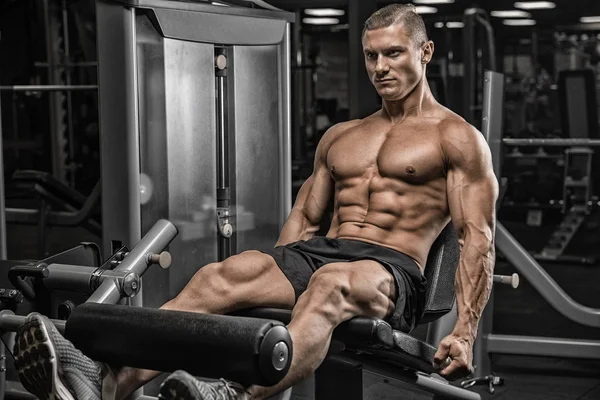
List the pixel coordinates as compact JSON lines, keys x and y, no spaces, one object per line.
{"x":297,"y":227}
{"x":474,"y":279}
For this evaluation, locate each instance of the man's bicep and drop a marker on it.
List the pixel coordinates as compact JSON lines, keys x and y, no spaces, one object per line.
{"x":315,"y":194}
{"x":472,"y":185}
{"x":472,"y":202}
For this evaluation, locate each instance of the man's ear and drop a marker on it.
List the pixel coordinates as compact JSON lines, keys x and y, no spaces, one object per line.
{"x":427,"y":52}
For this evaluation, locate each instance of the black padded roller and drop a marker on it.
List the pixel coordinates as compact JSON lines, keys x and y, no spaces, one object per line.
{"x":245,"y":350}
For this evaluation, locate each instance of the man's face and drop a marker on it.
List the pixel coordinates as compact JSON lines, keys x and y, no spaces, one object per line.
{"x":394,"y":62}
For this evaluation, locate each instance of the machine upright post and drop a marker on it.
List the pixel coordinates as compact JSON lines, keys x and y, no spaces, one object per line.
{"x":493,"y":97}
{"x":225,"y":228}
{"x":493,"y":100}
{"x":2,"y":208}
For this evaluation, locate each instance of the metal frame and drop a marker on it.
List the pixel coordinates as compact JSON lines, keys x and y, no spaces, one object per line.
{"x":472,"y":18}
{"x":111,"y":290}
{"x":286,"y":127}
{"x":3,"y":254}
{"x":341,"y":376}
{"x":488,"y":342}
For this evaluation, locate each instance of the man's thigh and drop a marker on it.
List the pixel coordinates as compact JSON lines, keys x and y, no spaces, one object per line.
{"x":365,"y":287}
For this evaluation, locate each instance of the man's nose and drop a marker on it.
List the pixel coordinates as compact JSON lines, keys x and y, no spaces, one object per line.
{"x":381,"y":66}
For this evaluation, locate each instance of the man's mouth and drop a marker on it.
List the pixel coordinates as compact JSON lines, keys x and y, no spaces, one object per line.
{"x":383,"y":80}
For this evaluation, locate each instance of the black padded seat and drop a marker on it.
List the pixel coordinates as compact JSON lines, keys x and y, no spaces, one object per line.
{"x":374,"y":336}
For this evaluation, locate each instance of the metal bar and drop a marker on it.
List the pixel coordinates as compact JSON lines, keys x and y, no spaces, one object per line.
{"x":444,"y":389}
{"x":221,"y":134}
{"x":46,"y":88}
{"x":469,"y":55}
{"x":529,"y":268}
{"x":66,"y":65}
{"x":3,"y":255}
{"x":552,"y":142}
{"x":54,"y":108}
{"x":286,"y":129}
{"x":119,"y":126}
{"x":362,"y":99}
{"x":59,"y":218}
{"x":493,"y":103}
{"x":75,"y":278}
{"x":156,"y":240}
{"x":223,"y":160}
{"x":543,"y":346}
{"x":491,"y":47}
{"x":5,"y":338}
{"x":417,"y":379}
{"x":492,"y":118}
{"x":15,"y":121}
{"x":67,"y":72}
{"x":9,"y":322}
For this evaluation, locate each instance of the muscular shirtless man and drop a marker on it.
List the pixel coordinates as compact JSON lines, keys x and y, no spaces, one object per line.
{"x":398,"y":177}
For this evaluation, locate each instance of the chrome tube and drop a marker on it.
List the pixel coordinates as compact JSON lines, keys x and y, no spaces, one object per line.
{"x":157,"y":238}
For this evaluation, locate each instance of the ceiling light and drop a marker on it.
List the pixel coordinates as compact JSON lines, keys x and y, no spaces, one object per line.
{"x":534,"y":5}
{"x":455,"y":24}
{"x":589,"y":20}
{"x":425,"y":10}
{"x":216,"y":3}
{"x":321,"y":21}
{"x":510,"y":14}
{"x":324,"y":12}
{"x":433,"y":1}
{"x":439,"y":24}
{"x":519,"y":22}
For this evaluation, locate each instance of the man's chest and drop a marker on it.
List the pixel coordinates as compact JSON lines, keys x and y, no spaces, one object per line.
{"x":408,"y":156}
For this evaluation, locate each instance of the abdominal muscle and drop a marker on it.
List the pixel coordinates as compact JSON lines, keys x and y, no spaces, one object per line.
{"x":408,"y":223}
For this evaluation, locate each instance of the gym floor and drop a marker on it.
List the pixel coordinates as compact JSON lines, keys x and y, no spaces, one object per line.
{"x":520,"y":311}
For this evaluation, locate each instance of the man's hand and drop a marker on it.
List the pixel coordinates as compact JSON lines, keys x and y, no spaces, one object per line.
{"x":460,"y":351}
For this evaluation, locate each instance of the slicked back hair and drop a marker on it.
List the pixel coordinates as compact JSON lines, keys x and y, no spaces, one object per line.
{"x":405,"y":14}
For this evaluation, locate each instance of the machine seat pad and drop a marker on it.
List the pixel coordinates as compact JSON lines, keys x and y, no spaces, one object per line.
{"x":245,"y":350}
{"x":364,"y":331}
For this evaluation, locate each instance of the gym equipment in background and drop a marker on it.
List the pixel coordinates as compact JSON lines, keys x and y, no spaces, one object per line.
{"x":488,"y":342}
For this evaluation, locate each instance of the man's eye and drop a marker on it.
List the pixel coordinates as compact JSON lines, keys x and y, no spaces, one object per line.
{"x":371,"y":56}
{"x":394,"y":53}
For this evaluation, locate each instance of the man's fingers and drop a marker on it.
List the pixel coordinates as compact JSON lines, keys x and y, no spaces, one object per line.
{"x":441,"y":355}
{"x":457,"y":369}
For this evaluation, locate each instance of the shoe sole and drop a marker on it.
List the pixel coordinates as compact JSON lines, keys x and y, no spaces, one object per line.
{"x":36,"y":361}
{"x":178,"y":386}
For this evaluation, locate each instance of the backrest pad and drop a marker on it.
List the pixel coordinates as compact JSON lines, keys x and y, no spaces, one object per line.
{"x":440,"y":272}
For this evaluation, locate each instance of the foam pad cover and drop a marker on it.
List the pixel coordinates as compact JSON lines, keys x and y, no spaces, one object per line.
{"x":214,"y":346}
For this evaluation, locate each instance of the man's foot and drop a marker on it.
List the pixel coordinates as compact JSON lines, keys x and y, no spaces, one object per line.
{"x":50,"y":367}
{"x":182,"y":386}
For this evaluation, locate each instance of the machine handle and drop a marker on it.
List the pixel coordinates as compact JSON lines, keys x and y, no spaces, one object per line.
{"x":512,"y":280}
{"x":16,"y":273}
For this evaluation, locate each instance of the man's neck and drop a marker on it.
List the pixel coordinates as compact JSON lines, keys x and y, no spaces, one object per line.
{"x":418,"y":100}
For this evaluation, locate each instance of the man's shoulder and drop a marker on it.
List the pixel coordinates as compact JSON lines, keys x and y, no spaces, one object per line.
{"x":339,"y":129}
{"x":453,"y":127}
{"x":344,"y":126}
{"x":449,"y":120}
{"x":458,"y":138}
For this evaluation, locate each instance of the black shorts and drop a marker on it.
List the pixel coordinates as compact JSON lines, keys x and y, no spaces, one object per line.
{"x":300,"y":260}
